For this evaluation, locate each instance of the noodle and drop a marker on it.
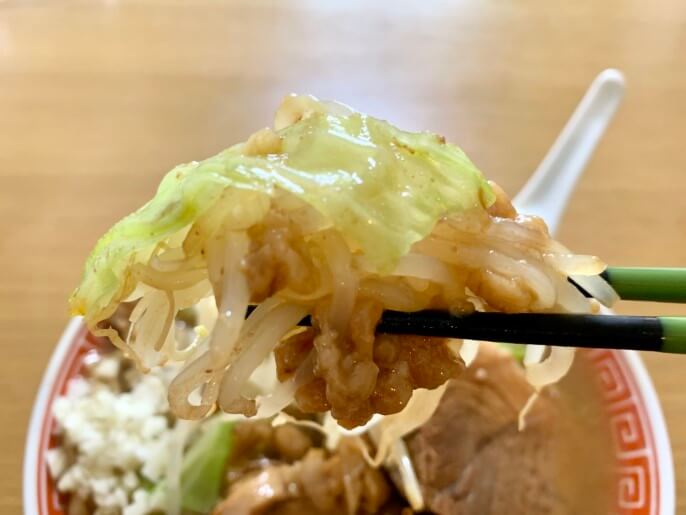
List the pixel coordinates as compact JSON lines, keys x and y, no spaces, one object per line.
{"x":151,"y":321}
{"x":232,"y":301}
{"x":168,"y":280}
{"x":345,"y":283}
{"x":335,"y":215}
{"x":339,"y":216}
{"x":471,"y":262}
{"x":598,"y":288}
{"x":533,"y":354}
{"x":168,"y":321}
{"x":411,"y":486}
{"x":256,"y":349}
{"x":393,"y":427}
{"x":468,"y":351}
{"x":540,"y":374}
{"x":194,"y":375}
{"x":551,"y":369}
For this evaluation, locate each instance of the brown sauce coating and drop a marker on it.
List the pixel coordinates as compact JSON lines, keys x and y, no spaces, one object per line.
{"x":364,"y":373}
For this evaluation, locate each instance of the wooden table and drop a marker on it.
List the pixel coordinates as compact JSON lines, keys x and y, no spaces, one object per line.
{"x":99,"y":99}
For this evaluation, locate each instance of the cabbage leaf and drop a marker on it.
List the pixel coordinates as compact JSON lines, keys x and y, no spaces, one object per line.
{"x":204,"y":463}
{"x":382,"y":188}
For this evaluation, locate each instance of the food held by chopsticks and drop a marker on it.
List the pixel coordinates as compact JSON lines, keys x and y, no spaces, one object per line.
{"x":336,"y":215}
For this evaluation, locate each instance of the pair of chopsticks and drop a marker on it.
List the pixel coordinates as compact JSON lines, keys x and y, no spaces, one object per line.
{"x":649,"y":333}
{"x":650,"y":284}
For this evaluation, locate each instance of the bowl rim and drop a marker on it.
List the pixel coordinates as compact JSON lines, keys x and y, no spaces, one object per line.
{"x":34,"y":439}
{"x":43,"y":398}
{"x":658,"y":424}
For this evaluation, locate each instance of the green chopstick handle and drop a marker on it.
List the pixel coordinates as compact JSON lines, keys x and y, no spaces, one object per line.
{"x":673,"y":334}
{"x":652,"y":284}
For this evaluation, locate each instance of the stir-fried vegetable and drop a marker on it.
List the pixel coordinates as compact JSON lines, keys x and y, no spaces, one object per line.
{"x":381,"y":187}
{"x":204,"y":465}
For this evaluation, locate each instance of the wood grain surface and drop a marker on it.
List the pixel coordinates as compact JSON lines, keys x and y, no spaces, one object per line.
{"x":99,"y":99}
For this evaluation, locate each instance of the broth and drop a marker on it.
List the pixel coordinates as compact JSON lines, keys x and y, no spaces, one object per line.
{"x":586,"y":470}
{"x":471,"y":458}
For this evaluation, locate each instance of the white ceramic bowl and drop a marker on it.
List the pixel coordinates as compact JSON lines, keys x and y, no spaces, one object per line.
{"x":644,"y":459}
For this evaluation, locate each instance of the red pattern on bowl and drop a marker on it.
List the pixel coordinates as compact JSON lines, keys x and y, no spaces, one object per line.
{"x":644,"y":460}
{"x":640,"y":463}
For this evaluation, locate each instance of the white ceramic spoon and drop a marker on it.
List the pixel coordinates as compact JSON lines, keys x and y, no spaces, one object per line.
{"x":547,"y":192}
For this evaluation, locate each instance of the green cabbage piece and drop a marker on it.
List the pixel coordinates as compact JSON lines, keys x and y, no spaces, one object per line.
{"x":517,"y":350}
{"x":381,"y":187}
{"x":202,"y":472}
